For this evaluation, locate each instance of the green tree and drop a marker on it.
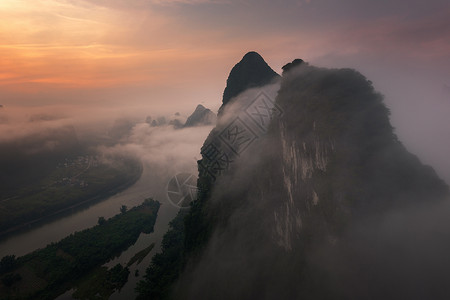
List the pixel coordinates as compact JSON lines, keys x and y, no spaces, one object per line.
{"x":118,"y":276}
{"x":123,"y":209}
{"x":8,"y":263}
{"x":101,"y":220}
{"x":9,"y":279}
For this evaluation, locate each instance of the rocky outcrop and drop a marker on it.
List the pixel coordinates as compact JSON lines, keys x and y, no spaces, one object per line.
{"x":281,"y":216}
{"x":251,"y":71}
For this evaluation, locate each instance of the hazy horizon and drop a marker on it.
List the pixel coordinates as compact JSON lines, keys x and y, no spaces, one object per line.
{"x":151,"y":57}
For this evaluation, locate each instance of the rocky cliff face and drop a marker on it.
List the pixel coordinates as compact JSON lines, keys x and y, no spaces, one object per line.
{"x":294,"y":209}
{"x":338,"y":160}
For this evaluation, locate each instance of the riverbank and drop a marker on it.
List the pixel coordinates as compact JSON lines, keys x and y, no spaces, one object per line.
{"x":151,"y":185}
{"x":130,"y":178}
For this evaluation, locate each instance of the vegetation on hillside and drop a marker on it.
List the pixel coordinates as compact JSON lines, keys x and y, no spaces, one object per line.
{"x":329,"y":114}
{"x":73,"y":182}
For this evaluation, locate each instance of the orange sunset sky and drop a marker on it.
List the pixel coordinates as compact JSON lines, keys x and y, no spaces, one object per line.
{"x":84,"y":57}
{"x":53,"y":51}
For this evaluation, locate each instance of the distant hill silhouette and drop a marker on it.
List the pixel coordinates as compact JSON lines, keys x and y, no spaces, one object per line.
{"x":201,"y":116}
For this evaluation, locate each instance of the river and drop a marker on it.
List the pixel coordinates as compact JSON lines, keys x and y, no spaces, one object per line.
{"x":149,"y":185}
